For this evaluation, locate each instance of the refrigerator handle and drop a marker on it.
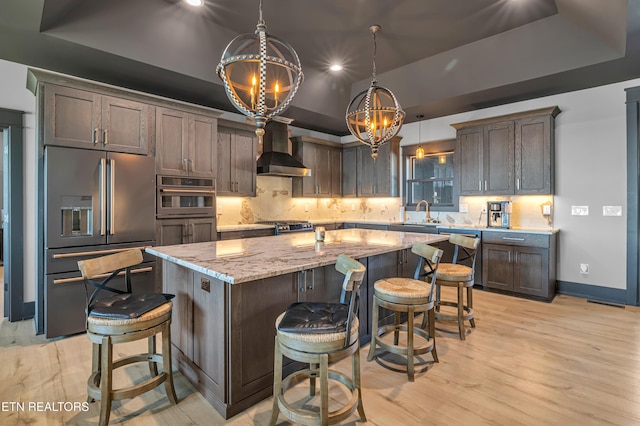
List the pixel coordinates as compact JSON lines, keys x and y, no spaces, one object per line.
{"x":103,"y":196}
{"x":112,"y":195}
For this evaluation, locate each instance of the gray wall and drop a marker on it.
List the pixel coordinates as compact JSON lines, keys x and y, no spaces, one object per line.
{"x":14,"y":95}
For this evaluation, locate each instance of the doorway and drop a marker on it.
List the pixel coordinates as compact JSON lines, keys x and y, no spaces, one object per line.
{"x":12,"y":215}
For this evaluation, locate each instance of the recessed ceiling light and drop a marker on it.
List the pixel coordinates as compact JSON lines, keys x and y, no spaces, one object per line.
{"x":196,"y":3}
{"x":336,"y":67}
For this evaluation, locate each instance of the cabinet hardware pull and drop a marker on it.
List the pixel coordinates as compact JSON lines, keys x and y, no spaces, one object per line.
{"x":105,"y":136}
{"x":89,"y":253}
{"x":485,"y":184}
{"x":480,"y":185}
{"x":513,"y":239}
{"x":103,"y":196}
{"x":509,"y":257}
{"x":313,"y":280}
{"x":78,"y":279}
{"x":518,"y":184}
{"x":302,"y":281}
{"x":95,"y":136}
{"x":516,"y":256}
{"x":112,"y":222}
{"x":184,"y":165}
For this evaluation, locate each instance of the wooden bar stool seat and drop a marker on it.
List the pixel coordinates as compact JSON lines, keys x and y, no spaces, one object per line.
{"x":320,"y":333}
{"x":460,"y":277}
{"x":125,"y":317}
{"x":410,"y":296}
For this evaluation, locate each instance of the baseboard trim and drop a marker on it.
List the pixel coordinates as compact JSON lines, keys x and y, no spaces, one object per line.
{"x":28,"y":310}
{"x":603,"y":294}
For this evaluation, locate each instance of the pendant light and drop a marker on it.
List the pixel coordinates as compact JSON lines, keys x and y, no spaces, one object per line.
{"x":374,"y":116}
{"x":420,"y":150}
{"x":261,"y":74}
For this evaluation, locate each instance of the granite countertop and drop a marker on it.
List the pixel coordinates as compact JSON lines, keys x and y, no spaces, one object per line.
{"x":242,"y":227}
{"x":243,"y":260}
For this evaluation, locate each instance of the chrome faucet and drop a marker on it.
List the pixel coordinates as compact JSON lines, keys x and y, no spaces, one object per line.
{"x":428,"y":218}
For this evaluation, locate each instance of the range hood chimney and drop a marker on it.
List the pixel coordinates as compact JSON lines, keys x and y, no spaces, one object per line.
{"x":276,"y":160}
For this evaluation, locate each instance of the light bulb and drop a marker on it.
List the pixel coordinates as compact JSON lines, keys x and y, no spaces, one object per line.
{"x":420,"y":153}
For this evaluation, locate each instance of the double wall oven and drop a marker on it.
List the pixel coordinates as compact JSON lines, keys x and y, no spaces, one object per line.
{"x":185,"y":196}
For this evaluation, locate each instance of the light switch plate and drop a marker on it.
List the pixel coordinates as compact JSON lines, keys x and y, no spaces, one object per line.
{"x":611,"y":210}
{"x":464,"y":208}
{"x":580,"y":210}
{"x":546,"y":210}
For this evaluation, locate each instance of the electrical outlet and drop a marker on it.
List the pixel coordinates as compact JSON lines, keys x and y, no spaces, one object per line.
{"x":219,"y":208}
{"x":546,"y":210}
{"x":353,"y":207}
{"x":306,"y":207}
{"x":464,"y":208}
{"x":611,"y":210}
{"x":580,"y":210}
{"x":584,"y":268}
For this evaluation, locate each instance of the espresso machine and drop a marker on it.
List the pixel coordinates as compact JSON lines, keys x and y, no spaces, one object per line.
{"x":499,"y":214}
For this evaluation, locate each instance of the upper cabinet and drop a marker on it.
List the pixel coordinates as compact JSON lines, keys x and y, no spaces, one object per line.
{"x":185,"y":143}
{"x":237,"y":152}
{"x":85,"y":119}
{"x":507,"y":155}
{"x":324,"y":159}
{"x":365,"y":177}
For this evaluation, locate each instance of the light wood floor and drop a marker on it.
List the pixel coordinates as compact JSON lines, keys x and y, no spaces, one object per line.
{"x":566,"y":363}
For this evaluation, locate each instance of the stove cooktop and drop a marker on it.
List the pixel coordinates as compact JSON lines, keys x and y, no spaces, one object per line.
{"x":284,"y":226}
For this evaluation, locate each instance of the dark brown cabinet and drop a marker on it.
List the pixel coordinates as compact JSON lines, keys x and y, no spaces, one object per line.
{"x":237,"y":152}
{"x":507,"y":155}
{"x":520,"y":263}
{"x":324,"y":159}
{"x":365,"y":177}
{"x":185,"y":230}
{"x":85,"y":119}
{"x":185,"y":143}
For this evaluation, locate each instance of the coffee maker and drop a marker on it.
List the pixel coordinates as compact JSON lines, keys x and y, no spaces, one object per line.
{"x":499,"y":214}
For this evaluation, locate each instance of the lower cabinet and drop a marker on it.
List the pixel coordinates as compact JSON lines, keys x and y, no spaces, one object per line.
{"x":199,"y":318}
{"x":185,"y":230}
{"x":522,"y":264}
{"x":245,"y":233}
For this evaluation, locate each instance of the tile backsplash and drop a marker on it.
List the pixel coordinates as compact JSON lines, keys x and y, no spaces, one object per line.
{"x":273,"y":201}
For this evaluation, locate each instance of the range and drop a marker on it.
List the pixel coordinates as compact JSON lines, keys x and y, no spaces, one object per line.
{"x":286,"y":226}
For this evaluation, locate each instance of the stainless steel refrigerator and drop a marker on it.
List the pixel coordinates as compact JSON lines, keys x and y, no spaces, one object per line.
{"x":97,"y":203}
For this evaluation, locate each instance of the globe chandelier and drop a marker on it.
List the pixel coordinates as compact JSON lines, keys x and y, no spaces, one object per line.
{"x":261,"y":74}
{"x":374,"y":116}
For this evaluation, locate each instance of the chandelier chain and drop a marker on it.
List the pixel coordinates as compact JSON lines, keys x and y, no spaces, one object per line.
{"x":374,"y":56}
{"x":260,"y":20}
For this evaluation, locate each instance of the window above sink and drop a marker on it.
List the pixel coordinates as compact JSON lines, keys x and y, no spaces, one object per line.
{"x":431,"y":178}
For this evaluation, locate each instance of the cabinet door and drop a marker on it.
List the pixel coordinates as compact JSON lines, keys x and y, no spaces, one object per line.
{"x":177,"y":280}
{"x":349,"y":172}
{"x":171,"y":231}
{"x":309,"y":183}
{"x":254,"y":308}
{"x":382,"y":172}
{"x":533,"y":159}
{"x":202,"y":146}
{"x":531,"y":271}
{"x":498,"y":269}
{"x":172,"y":142}
{"x":469,"y":156}
{"x":244,"y":163}
{"x":366,"y":172}
{"x":209,"y":326}
{"x":202,"y":230}
{"x":336,"y":172}
{"x":498,"y":159}
{"x":72,"y":117}
{"x":224,"y":147}
{"x":125,"y":125}
{"x":322,"y":171}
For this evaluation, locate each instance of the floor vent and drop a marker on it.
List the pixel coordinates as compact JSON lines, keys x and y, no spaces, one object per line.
{"x":615,"y":305}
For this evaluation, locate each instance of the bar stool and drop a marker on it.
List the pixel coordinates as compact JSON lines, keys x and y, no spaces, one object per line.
{"x":461,"y":277}
{"x":124,"y":317}
{"x":318,"y":334}
{"x":411,"y":296}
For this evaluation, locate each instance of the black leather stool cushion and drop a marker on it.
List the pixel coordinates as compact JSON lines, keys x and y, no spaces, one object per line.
{"x":128,"y":306}
{"x":316,"y":318}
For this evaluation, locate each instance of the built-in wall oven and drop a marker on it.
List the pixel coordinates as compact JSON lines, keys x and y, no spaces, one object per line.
{"x":185,"y":196}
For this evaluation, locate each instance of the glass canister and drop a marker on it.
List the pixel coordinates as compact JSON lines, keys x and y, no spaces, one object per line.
{"x":320,"y":233}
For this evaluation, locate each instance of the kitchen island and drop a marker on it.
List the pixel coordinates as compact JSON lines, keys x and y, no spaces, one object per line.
{"x":229,"y":293}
